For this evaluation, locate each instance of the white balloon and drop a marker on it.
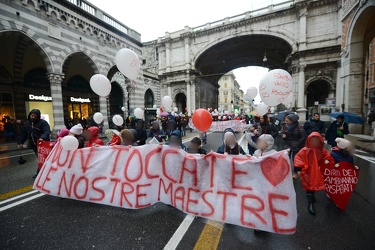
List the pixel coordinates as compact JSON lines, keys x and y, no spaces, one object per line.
{"x":175,"y":109}
{"x":127,"y":63}
{"x":219,"y":108}
{"x":158,"y":112}
{"x":262,"y":109}
{"x":118,"y":120}
{"x":100,"y":85}
{"x":98,"y":118}
{"x":251,"y":92}
{"x":275,"y":86}
{"x":166,"y":103}
{"x":289,"y":99}
{"x":172,"y":113}
{"x":138,"y":113}
{"x":69,"y":142}
{"x":154,"y":106}
{"x":123,"y":109}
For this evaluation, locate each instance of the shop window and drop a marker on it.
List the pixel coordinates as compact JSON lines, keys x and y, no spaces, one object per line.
{"x":6,"y":112}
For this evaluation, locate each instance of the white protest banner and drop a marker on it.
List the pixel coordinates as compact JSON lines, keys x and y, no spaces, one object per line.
{"x":236,"y":125}
{"x":255,"y":193}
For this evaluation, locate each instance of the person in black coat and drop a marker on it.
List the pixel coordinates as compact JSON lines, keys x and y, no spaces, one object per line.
{"x":337,"y":129}
{"x":141,"y":133}
{"x":314,"y":125}
{"x":267,"y":126}
{"x":36,"y":130}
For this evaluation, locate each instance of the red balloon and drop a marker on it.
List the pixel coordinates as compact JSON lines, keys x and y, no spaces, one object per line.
{"x":202,"y":120}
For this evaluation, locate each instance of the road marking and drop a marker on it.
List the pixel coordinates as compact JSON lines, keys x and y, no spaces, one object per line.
{"x":15,"y":192}
{"x":2,"y":209}
{"x":15,"y":156}
{"x":210,"y":236}
{"x":180,"y":232}
{"x":18,"y":197}
{"x":366,"y":158}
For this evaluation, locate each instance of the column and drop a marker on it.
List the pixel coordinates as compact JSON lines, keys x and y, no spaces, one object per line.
{"x":187,"y":53}
{"x":57,"y":101}
{"x":302,"y":29}
{"x":301,"y":94}
{"x":170,"y":90}
{"x":188,"y":96}
{"x":103,"y":108}
{"x":168,"y":56}
{"x":193,"y":101}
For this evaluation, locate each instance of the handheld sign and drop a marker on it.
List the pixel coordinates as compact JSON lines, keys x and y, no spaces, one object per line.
{"x":44,"y":149}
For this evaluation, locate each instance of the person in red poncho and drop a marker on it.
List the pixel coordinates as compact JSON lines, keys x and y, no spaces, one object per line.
{"x":93,"y":136}
{"x":309,"y":160}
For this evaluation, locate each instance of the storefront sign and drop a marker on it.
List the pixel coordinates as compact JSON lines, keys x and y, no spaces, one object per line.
{"x":40,"y":98}
{"x":81,"y":100}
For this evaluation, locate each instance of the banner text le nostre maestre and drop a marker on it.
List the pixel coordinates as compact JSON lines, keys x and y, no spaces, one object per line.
{"x":255,"y":193}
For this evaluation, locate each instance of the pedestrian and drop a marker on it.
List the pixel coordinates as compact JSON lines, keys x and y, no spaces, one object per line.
{"x":314,"y":124}
{"x":135,"y":137}
{"x":252,"y":135}
{"x":196,"y":147}
{"x":63,"y":132}
{"x":309,"y":160}
{"x":77,"y":131}
{"x":265,"y":144}
{"x":337,"y":129}
{"x":127,"y":137}
{"x":267,"y":126}
{"x":93,"y":137}
{"x":230,"y":145}
{"x":294,"y":137}
{"x":343,"y":152}
{"x":113,"y":137}
{"x":36,"y":130}
{"x":9,"y":129}
{"x":175,"y":140}
{"x":171,"y":126}
{"x":156,"y":132}
{"x":184,"y":123}
{"x":141,"y":133}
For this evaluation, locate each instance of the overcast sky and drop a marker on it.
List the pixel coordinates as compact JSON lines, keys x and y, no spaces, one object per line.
{"x":153,"y":18}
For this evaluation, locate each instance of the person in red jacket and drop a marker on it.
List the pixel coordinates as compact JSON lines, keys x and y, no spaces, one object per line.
{"x":93,"y":137}
{"x":308,"y":160}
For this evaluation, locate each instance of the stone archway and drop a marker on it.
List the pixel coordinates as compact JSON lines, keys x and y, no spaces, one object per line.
{"x":149,"y":99}
{"x":116,"y":99}
{"x":317,"y":91}
{"x":180,"y":100}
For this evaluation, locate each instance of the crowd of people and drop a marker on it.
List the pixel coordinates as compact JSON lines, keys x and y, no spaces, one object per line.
{"x":304,"y":143}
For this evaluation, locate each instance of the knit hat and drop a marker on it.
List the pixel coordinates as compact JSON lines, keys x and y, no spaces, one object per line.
{"x":292,"y":117}
{"x":268,"y":139}
{"x":126,"y":134}
{"x":343,"y":143}
{"x":63,"y":132}
{"x":76,"y":129}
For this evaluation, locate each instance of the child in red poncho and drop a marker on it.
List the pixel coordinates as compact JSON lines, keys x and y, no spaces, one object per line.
{"x":309,"y":160}
{"x":93,"y":136}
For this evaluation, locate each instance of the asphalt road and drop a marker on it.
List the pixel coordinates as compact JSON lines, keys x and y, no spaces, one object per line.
{"x":48,"y":222}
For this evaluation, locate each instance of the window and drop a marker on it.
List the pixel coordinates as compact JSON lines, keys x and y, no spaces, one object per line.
{"x":225,"y":85}
{"x":225,"y":99}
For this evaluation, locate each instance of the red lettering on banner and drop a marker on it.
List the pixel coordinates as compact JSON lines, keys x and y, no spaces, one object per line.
{"x":86,"y":189}
{"x":170,"y":187}
{"x":63,"y":179}
{"x":193,"y":172}
{"x":189,"y":200}
{"x":181,"y":197}
{"x":212,"y":168}
{"x":253,"y":210}
{"x":63,"y":164}
{"x":139,"y":194}
{"x":147,"y":162}
{"x":100,"y":191}
{"x":208,"y":203}
{"x":48,"y":179}
{"x":119,"y":151}
{"x":115,"y":181}
{"x":125,"y":193}
{"x":140,"y":165}
{"x":164,"y":167}
{"x":238,"y":172}
{"x":274,"y":211}
{"x":225,"y":195}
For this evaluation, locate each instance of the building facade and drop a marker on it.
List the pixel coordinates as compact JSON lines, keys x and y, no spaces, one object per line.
{"x":49,"y":51}
{"x":230,"y":94}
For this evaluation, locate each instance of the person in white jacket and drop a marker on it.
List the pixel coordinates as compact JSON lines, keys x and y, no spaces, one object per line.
{"x":265,"y":144}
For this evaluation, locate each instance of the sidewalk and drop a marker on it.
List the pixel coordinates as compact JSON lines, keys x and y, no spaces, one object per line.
{"x":362,"y":142}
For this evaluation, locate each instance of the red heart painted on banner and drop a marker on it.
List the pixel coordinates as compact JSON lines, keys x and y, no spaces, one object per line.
{"x":264,"y":95}
{"x":275,"y":170}
{"x":340,"y":182}
{"x":262,"y":86}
